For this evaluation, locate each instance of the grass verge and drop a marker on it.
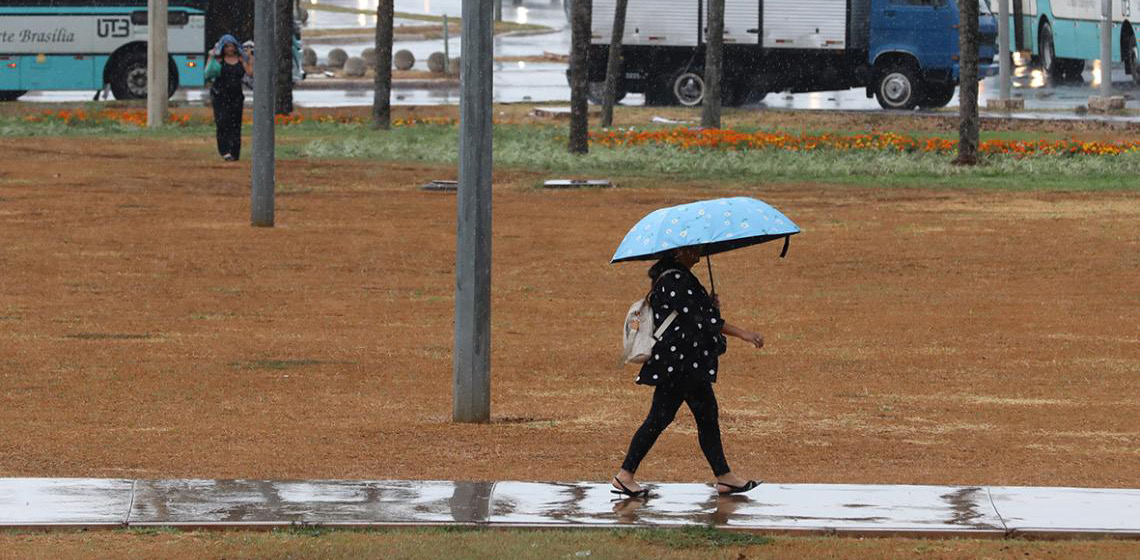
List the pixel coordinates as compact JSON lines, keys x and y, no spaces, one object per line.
{"x":542,"y":148}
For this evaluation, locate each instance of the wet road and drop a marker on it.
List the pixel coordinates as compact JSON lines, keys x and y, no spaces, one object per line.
{"x":545,"y":81}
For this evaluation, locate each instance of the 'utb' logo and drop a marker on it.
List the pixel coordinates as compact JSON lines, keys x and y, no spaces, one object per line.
{"x":113,"y":27}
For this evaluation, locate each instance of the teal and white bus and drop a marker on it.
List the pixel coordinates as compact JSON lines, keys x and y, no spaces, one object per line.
{"x":95,"y":44}
{"x":1063,"y":34}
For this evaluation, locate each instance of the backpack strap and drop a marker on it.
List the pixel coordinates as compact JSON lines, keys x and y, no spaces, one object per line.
{"x":672,"y":315}
{"x":664,"y":325}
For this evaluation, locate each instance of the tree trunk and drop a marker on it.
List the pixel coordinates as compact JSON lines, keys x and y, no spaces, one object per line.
{"x":285,"y":29}
{"x":613,"y":65}
{"x":714,"y":61}
{"x":382,"y":98}
{"x":579,"y":84}
{"x":968,"y":83}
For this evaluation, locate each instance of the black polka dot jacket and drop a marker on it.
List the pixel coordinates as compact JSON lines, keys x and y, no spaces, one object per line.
{"x":692,"y":344}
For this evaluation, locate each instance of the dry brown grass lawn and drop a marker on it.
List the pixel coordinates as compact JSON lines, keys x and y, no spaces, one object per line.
{"x":914,"y":336}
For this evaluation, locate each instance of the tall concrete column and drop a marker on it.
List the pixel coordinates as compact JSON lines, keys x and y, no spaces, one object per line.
{"x":157,"y":65}
{"x":1004,"y":60}
{"x":264,"y":95}
{"x":472,"y":354}
{"x":1105,"y":48}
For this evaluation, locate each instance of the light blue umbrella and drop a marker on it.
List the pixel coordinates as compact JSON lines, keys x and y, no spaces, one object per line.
{"x":716,"y":226}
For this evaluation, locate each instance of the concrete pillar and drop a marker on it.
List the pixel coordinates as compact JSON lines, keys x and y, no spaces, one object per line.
{"x":472,"y":353}
{"x":157,"y":64}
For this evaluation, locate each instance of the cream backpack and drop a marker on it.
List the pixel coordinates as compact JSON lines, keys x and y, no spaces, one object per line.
{"x":639,"y":334}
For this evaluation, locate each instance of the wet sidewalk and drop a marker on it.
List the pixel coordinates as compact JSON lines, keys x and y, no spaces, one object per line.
{"x":839,"y":509}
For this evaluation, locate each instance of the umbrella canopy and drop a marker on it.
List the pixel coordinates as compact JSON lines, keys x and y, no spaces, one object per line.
{"x":718,"y":225}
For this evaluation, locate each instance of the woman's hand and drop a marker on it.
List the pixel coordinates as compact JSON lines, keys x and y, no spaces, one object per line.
{"x":753,"y":338}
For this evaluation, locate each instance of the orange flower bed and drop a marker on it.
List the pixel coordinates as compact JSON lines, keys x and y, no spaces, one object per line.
{"x":732,"y":140}
{"x":80,"y":117}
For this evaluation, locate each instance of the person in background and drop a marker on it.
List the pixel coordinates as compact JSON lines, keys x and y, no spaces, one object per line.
{"x":226,"y":66}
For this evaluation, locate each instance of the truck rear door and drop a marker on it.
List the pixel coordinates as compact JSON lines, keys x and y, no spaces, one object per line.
{"x":741,"y":22}
{"x":805,"y":24}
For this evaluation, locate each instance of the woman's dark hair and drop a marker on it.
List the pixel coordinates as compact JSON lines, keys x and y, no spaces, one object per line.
{"x":665,"y":263}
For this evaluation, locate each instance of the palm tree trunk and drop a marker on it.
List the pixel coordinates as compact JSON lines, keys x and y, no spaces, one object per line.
{"x":613,"y":65}
{"x":579,"y":78}
{"x":714,"y":62}
{"x":382,"y":98}
{"x":968,"y":83}
{"x":284,"y":18}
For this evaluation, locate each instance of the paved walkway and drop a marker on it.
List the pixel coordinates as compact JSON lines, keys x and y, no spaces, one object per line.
{"x":858,"y":510}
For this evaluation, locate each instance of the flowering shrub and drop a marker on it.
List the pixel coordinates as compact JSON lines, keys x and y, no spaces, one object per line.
{"x":732,"y":140}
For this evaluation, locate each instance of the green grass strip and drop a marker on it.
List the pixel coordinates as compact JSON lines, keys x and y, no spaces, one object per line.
{"x":543,"y":148}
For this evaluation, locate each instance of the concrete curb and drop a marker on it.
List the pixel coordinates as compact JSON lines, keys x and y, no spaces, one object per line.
{"x":44,"y":504}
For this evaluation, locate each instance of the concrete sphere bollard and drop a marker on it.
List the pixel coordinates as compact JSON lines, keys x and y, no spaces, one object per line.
{"x":437,"y":63}
{"x":308,"y":57}
{"x":369,"y":56}
{"x":355,"y":67}
{"x":405,"y":60}
{"x":337,"y":58}
{"x":454,"y":66}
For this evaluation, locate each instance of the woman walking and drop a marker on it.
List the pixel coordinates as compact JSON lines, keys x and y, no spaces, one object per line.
{"x":683,"y":368}
{"x":227,"y":70}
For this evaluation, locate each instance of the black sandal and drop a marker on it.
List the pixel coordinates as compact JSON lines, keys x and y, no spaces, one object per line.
{"x":643,"y":493}
{"x":748,"y":486}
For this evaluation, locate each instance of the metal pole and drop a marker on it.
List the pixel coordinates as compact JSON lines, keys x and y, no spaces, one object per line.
{"x":157,"y":67}
{"x":472,"y":355}
{"x":1106,"y":48}
{"x":264,"y":94}
{"x":446,"y":48}
{"x":1004,"y":58}
{"x":498,"y":10}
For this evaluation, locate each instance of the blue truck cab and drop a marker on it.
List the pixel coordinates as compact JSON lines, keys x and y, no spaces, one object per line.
{"x":913,"y":51}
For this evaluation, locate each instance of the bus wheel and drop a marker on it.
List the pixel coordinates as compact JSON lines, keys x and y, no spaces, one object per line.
{"x":11,"y":95}
{"x":1132,"y":57}
{"x":688,"y":88}
{"x":897,"y":88}
{"x":1047,"y":56}
{"x":128,"y":78}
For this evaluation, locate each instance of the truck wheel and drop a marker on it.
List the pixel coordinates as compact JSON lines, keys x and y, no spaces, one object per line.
{"x":897,"y":88}
{"x":128,"y":78}
{"x":11,"y":95}
{"x":688,"y":88}
{"x":938,"y":96}
{"x":1046,"y":55}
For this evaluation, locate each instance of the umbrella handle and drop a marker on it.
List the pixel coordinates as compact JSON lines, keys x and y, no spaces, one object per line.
{"x":712,"y":283}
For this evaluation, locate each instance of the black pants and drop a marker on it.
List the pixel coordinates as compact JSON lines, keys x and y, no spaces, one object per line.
{"x":698,"y":393}
{"x":227,"y":123}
